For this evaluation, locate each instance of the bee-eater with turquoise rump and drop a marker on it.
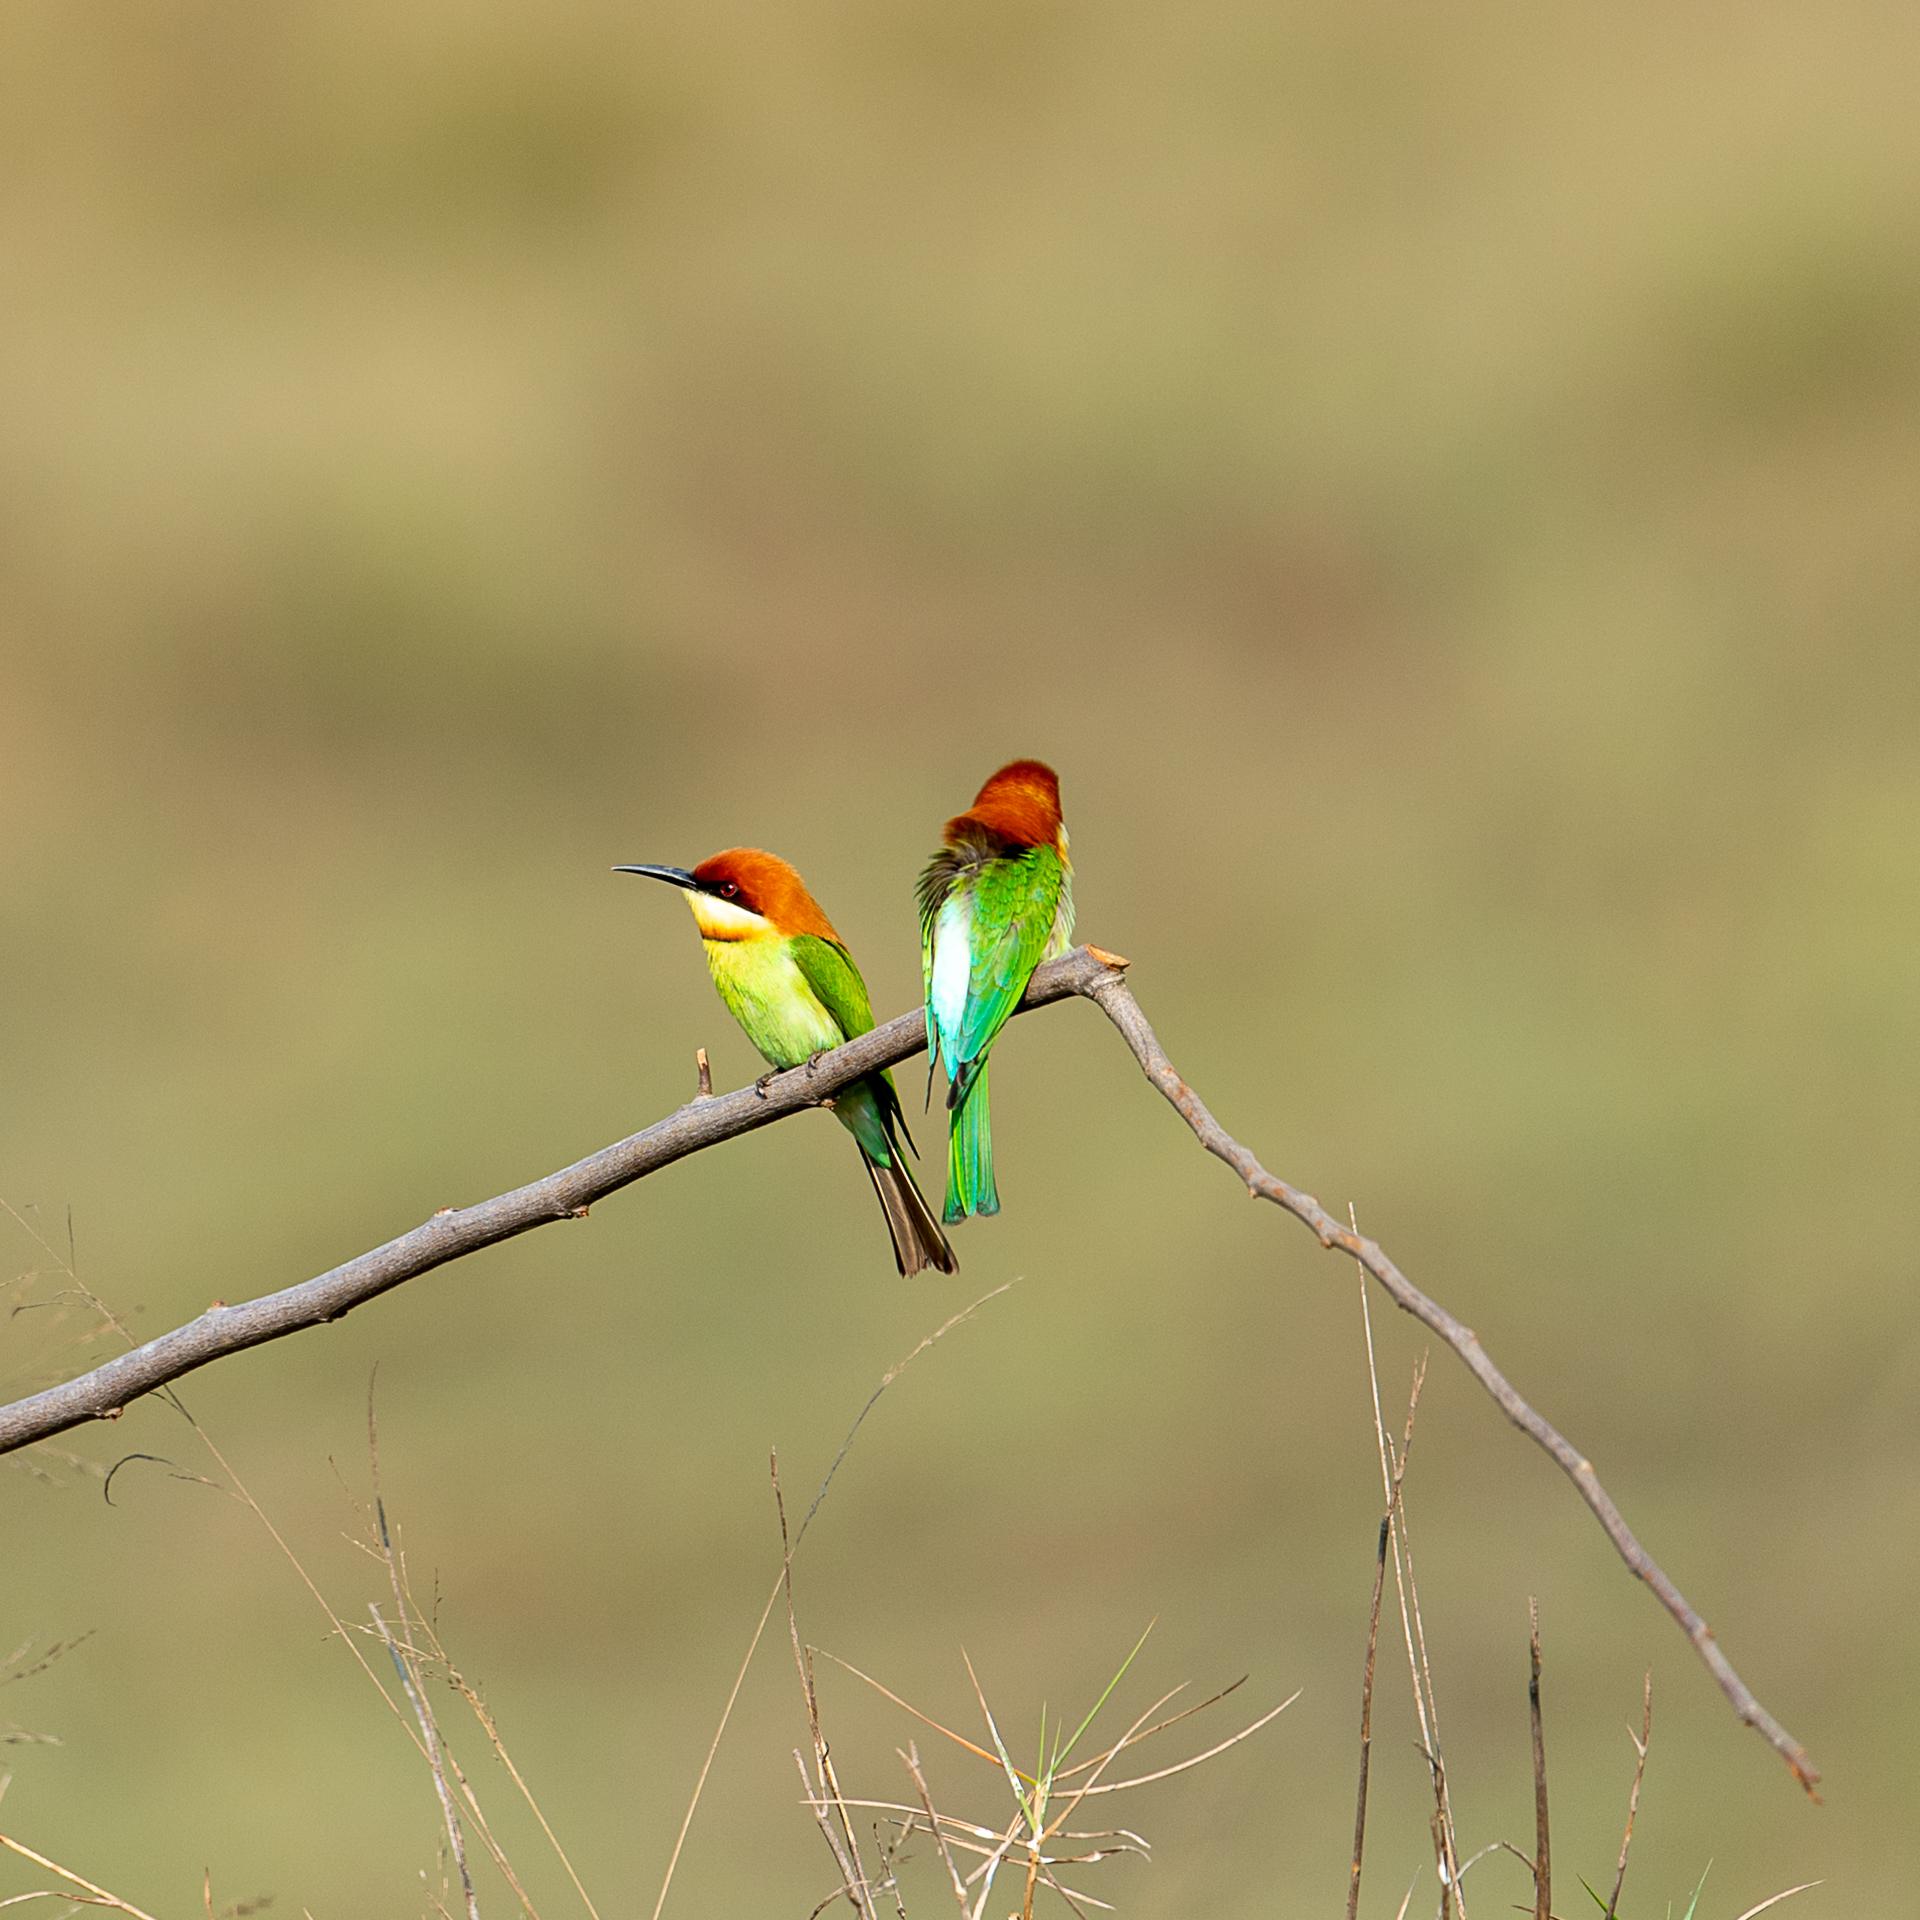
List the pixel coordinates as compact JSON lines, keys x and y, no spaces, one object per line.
{"x":789,"y":980}
{"x":995,"y":901}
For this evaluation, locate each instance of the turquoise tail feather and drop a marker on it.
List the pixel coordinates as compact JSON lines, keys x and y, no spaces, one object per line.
{"x":970,"y":1186}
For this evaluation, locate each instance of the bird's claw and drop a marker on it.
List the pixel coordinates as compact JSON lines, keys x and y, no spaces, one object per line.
{"x":816,"y":1056}
{"x":766,"y":1080}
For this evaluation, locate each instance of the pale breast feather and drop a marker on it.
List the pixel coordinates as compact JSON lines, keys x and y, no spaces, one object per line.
{"x":952,"y":965}
{"x":772,"y":1000}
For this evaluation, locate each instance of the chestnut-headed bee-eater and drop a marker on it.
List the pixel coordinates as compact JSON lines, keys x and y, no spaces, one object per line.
{"x":789,"y":980}
{"x":995,"y":901}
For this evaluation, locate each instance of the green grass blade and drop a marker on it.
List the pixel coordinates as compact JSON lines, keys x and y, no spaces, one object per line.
{"x":1106,"y":1695}
{"x":1695,"y":1901}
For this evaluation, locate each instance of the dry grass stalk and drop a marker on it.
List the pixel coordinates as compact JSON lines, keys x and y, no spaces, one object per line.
{"x":88,"y":1895}
{"x":23,"y":1664}
{"x":420,"y":1649}
{"x":823,"y":1788}
{"x":484,"y":1715}
{"x":1393,"y":1467}
{"x":910,"y":1759}
{"x":1420,"y":1673}
{"x":430,"y":1737}
{"x":1785,"y":1893}
{"x":1387,"y":1518}
{"x":1542,"y":1851}
{"x":1641,"y":1742}
{"x":1037,"y":1839}
{"x":405,"y":1664}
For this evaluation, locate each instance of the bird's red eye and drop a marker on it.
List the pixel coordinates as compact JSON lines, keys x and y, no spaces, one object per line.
{"x":728,"y":888}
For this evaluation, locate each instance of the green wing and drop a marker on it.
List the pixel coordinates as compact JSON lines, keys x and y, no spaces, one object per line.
{"x":871,"y":1107}
{"x":829,"y":970}
{"x":1014,"y":904}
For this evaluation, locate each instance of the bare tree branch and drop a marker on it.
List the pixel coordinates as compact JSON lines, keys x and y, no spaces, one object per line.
{"x":454,"y":1232}
{"x":1087,"y":972}
{"x":1109,"y":991}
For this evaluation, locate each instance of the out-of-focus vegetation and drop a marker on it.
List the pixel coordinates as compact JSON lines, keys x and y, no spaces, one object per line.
{"x":1441,"y":486}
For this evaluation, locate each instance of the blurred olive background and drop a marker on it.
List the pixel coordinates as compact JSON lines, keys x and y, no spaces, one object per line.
{"x":1443,"y":490}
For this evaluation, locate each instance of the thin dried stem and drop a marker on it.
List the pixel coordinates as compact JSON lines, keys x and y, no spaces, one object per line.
{"x":859,"y":1891}
{"x":1420,"y":1672}
{"x":986,"y":1871}
{"x":484,"y":1714}
{"x":1785,"y":1893}
{"x":407,"y":1654}
{"x":1641,"y":1742}
{"x":911,"y":1759}
{"x":1542,"y":1851}
{"x":1159,"y":1726}
{"x":1395,"y":1479}
{"x":90,"y":1895}
{"x":926,"y":1720}
{"x":963,"y":1831}
{"x":1014,"y":1776}
{"x":853,"y":1886}
{"x":1194,"y":1760}
{"x":1519,"y":1853}
{"x":1366,"y":1722}
{"x":430,"y":1734}
{"x":1095,"y":1784}
{"x":1393,"y":1468}
{"x":1038,"y":1827}
{"x":411,"y":1681}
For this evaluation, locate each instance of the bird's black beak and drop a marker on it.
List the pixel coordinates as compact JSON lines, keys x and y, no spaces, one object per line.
{"x":673,"y":876}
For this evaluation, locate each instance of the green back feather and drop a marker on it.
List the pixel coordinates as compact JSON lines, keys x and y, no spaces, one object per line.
{"x":1020,"y":910}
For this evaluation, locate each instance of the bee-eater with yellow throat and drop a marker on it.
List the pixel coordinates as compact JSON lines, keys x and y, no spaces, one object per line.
{"x":789,"y":980}
{"x":995,"y":901}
